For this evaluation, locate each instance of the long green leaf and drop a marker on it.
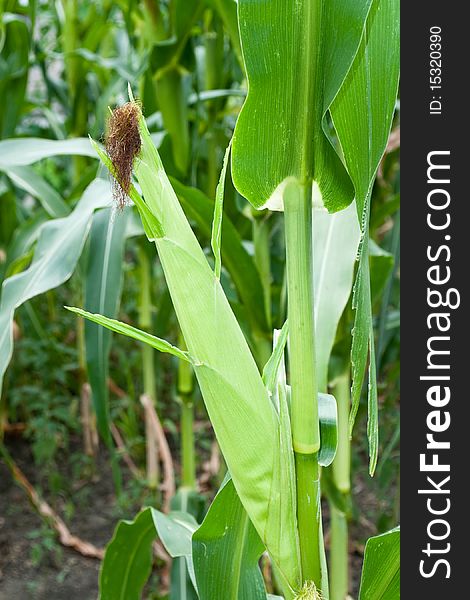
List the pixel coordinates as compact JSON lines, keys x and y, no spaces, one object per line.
{"x":183,"y":579}
{"x":57,"y":251}
{"x":14,"y":62}
{"x":380,"y":579}
{"x":26,"y":151}
{"x":25,"y":236}
{"x":362,"y":114}
{"x":335,"y":244}
{"x":127,"y":563}
{"x":128,"y":559}
{"x":27,"y":179}
{"x":216,"y":236}
{"x":132,"y":332}
{"x":328,"y":417}
{"x":102,"y":292}
{"x":235,"y":257}
{"x":226,"y":551}
{"x":296,"y":59}
{"x":381,"y":266}
{"x":175,"y":531}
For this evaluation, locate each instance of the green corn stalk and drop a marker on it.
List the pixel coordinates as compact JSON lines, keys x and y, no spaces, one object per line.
{"x":148,"y":365}
{"x":169,"y":87}
{"x":185,"y":394}
{"x":213,"y":69}
{"x":169,"y":75}
{"x":261,"y":241}
{"x":339,"y":541}
{"x":304,"y":410}
{"x":75,"y":77}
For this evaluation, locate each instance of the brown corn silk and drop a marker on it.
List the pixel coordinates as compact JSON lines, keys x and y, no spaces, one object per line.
{"x":123,"y":143}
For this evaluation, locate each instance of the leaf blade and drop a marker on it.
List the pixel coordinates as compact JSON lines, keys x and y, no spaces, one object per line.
{"x":380,"y":579}
{"x":335,"y":243}
{"x":27,"y":179}
{"x":294,"y":68}
{"x":132,"y":332}
{"x":26,"y":151}
{"x":226,"y":551}
{"x":56,"y":254}
{"x":103,"y":282}
{"x":127,"y":562}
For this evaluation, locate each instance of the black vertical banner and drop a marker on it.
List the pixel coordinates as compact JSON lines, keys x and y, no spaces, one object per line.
{"x":435,"y":340}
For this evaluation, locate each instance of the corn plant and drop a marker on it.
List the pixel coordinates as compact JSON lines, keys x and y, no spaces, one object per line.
{"x":322,"y":82}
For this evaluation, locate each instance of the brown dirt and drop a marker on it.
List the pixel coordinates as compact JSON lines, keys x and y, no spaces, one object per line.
{"x":70,"y":576}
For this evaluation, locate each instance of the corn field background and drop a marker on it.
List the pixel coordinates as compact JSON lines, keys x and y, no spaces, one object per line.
{"x":95,"y":426}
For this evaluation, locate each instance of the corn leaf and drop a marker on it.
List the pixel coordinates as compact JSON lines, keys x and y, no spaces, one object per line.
{"x":227,"y":10}
{"x":127,"y":563}
{"x":328,"y":417}
{"x":381,"y":267}
{"x":24,"y":237}
{"x":14,"y":63}
{"x":235,"y":257}
{"x":27,"y":179}
{"x":271,"y":369}
{"x":103,"y":281}
{"x":58,"y":249}
{"x":132,"y":332}
{"x":362,"y":114}
{"x":380,"y":579}
{"x":335,"y":244}
{"x":176,"y":531}
{"x":235,"y":396}
{"x":186,"y":501}
{"x":25,"y":151}
{"x":216,"y":236}
{"x":226,"y":551}
{"x":296,"y":59}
